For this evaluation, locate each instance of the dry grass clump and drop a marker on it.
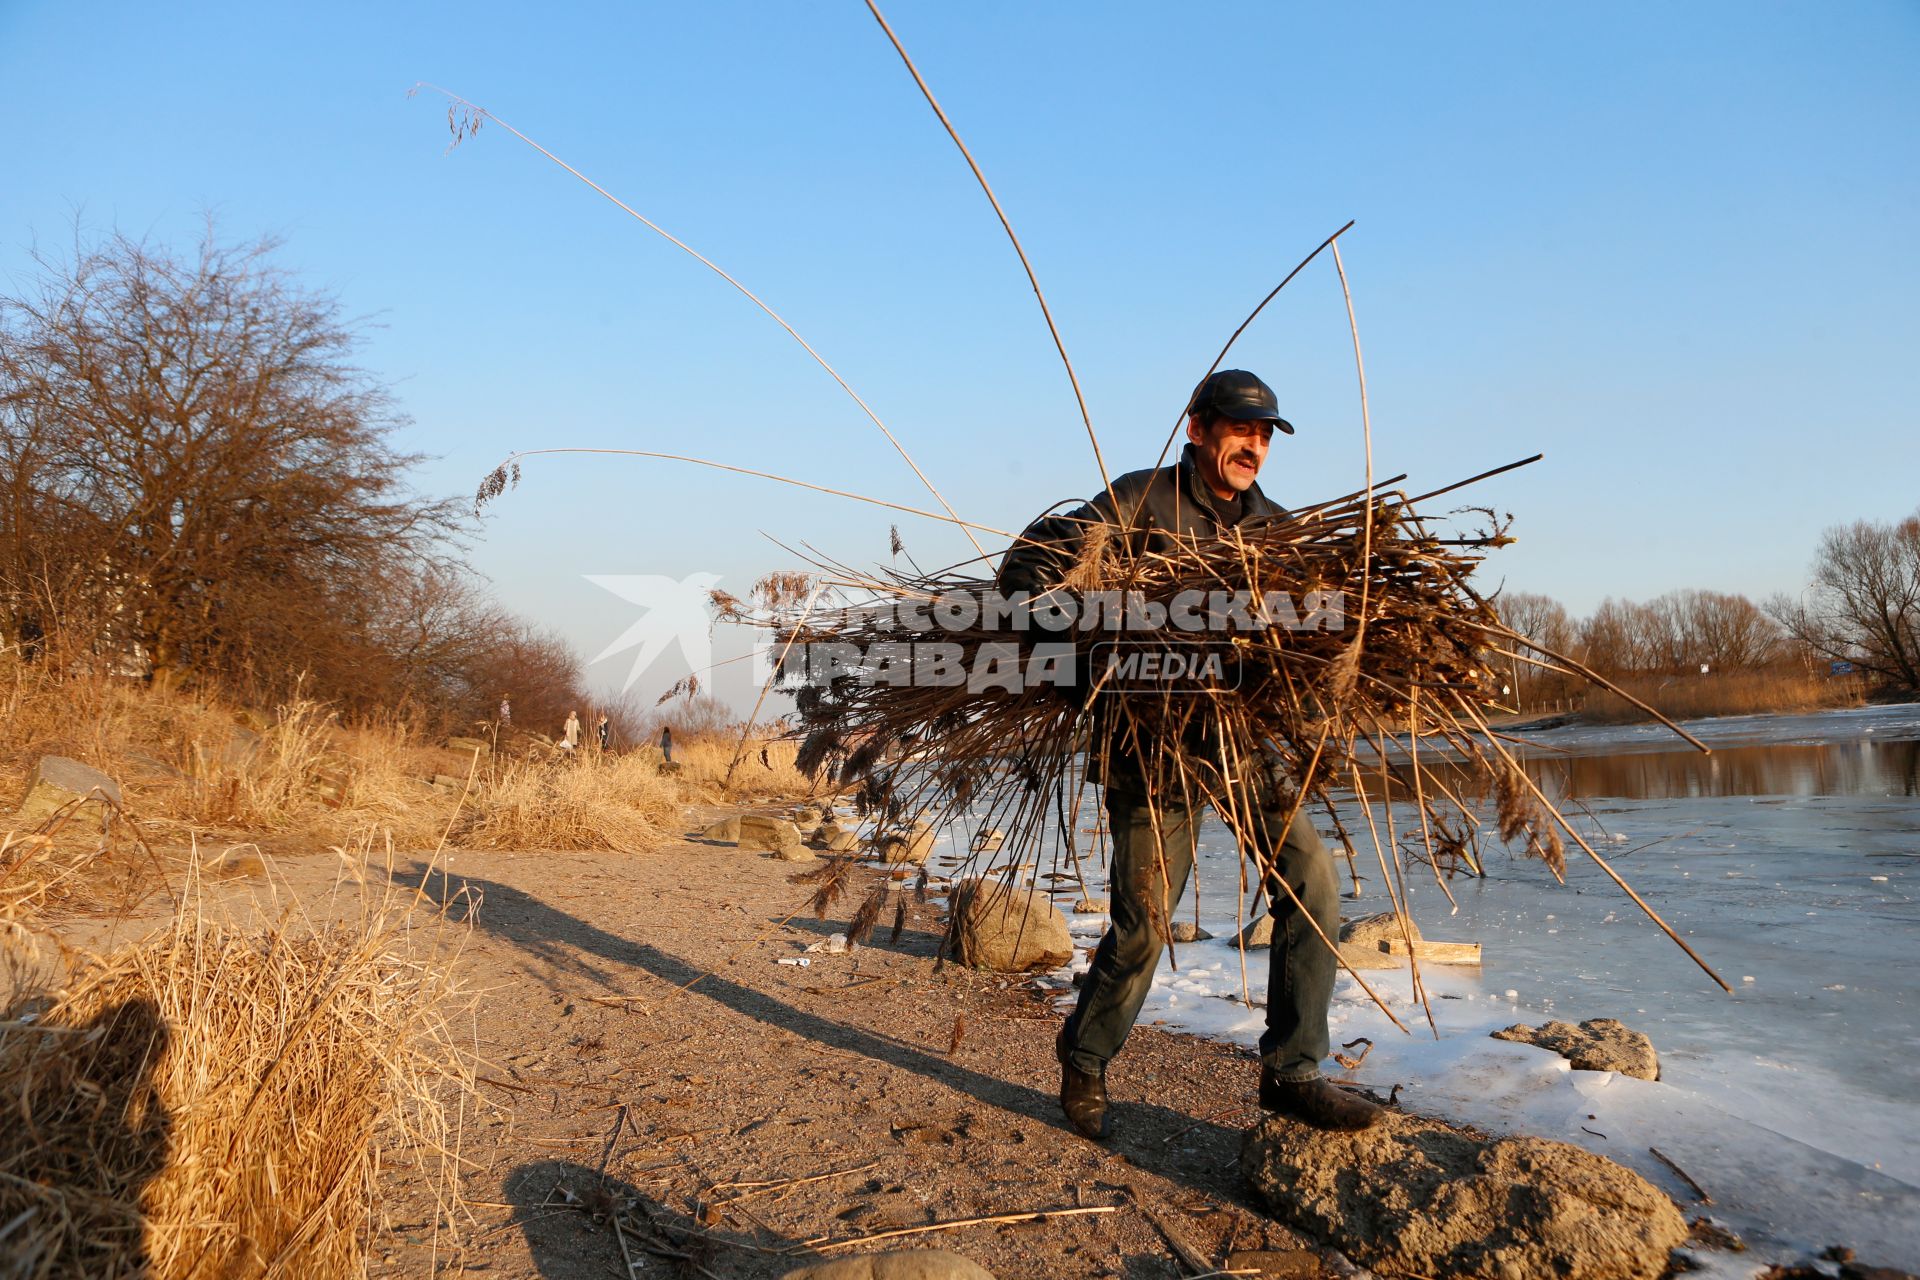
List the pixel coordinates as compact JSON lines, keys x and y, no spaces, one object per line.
{"x":599,"y":801}
{"x":303,"y":770}
{"x":73,"y":861}
{"x":264,"y":780}
{"x":187,"y":758}
{"x":1730,"y":693}
{"x":205,"y":1103}
{"x":193,"y":765}
{"x":384,"y":784}
{"x":106,"y":721}
{"x":765,"y":768}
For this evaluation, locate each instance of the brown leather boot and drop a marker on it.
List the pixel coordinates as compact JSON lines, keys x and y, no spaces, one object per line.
{"x":1083,"y":1095}
{"x":1317,"y":1102}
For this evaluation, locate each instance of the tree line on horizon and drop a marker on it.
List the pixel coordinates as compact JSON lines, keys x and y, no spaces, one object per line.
{"x":1859,"y":615}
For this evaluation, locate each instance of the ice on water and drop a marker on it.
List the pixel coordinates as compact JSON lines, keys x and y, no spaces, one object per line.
{"x":1795,"y":1101}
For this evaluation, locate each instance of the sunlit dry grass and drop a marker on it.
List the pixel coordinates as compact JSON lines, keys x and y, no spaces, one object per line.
{"x":618,"y":802}
{"x":205,"y":1102}
{"x":191,"y":766}
{"x":765,"y":768}
{"x":190,"y":761}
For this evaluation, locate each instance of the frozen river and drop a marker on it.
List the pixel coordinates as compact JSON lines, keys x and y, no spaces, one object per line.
{"x":1787,"y":858}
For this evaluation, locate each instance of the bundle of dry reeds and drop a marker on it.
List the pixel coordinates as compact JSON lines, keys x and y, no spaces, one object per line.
{"x":205,"y":1102}
{"x":1391,"y":704}
{"x":1406,"y":622}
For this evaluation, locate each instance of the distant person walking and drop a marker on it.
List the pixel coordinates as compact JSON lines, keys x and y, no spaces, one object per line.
{"x":506,"y":711}
{"x":666,"y":745}
{"x":605,"y":731}
{"x":570,"y":736}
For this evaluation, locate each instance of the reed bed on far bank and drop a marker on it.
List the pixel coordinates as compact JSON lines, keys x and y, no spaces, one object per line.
{"x":1732,"y":693}
{"x":211,"y":1101}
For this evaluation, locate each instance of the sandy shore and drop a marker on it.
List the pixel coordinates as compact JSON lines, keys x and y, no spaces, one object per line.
{"x":646,"y":986}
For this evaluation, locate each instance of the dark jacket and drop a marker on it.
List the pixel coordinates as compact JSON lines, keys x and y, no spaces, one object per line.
{"x":1176,"y":500}
{"x":1147,"y":508}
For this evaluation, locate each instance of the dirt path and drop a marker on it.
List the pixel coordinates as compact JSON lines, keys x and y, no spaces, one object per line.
{"x":913,"y":1095}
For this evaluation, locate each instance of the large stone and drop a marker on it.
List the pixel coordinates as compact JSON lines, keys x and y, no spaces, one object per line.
{"x":795,"y":853}
{"x":55,"y":781}
{"x":1416,"y":1196}
{"x":772,"y":834}
{"x":1258,"y":936}
{"x":989,"y":840}
{"x":910,"y":1264}
{"x":1188,"y":931}
{"x":725,"y":829}
{"x":1092,"y":906}
{"x":470,"y":745}
{"x":842,"y":841}
{"x":1598,"y":1044}
{"x":1373,"y":931}
{"x":1006,"y":929}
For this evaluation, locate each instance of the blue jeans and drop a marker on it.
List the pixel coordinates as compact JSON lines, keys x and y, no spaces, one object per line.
{"x":1301,"y":967}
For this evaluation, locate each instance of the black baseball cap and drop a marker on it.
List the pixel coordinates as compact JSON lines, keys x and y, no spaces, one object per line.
{"x":1237,"y":394}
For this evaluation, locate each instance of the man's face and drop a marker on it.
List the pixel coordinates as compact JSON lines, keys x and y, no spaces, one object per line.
{"x":1229,"y":452}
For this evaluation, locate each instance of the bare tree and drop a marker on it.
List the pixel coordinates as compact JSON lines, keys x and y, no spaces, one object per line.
{"x":195,"y":472}
{"x":1619,"y":637}
{"x":1541,"y":619}
{"x":436,"y":631}
{"x":1729,"y":632}
{"x":1864,"y":604}
{"x":1544,"y":621}
{"x":535,"y":668}
{"x":1684,"y":630}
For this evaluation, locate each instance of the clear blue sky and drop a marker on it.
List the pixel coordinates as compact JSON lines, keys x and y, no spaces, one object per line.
{"x":1671,"y":246}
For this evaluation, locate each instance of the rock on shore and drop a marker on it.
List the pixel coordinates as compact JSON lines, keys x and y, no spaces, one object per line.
{"x":56,"y":781}
{"x":997,"y":926}
{"x":1416,"y":1196}
{"x":1598,"y":1044}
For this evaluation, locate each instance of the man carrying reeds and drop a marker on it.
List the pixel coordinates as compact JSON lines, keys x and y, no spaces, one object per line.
{"x":1150,"y":802}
